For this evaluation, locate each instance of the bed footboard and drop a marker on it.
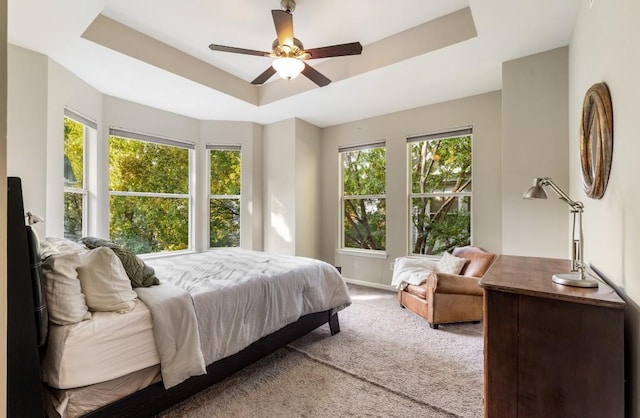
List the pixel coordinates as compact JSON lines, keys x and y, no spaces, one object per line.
{"x":155,"y":398}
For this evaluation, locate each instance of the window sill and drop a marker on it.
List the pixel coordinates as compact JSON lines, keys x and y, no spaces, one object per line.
{"x":363,"y":253}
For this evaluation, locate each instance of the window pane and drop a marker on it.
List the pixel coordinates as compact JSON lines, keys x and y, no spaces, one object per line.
{"x":441,"y":165}
{"x":364,"y":223}
{"x":363,"y":172}
{"x":73,"y":154}
{"x":150,"y":224}
{"x":440,"y":223}
{"x":73,"y":215}
{"x":224,"y":172}
{"x":138,"y":166}
{"x":225,"y":223}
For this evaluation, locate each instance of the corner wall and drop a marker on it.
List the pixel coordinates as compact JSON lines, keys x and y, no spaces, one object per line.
{"x":27,"y":127}
{"x":604,"y":47}
{"x":534,"y":144}
{"x":292,"y":179}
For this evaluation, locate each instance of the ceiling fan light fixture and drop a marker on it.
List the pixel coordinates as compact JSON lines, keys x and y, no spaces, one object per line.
{"x":287,"y":67}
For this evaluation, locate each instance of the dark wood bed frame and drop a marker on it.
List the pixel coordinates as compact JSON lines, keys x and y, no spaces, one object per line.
{"x":25,"y":390}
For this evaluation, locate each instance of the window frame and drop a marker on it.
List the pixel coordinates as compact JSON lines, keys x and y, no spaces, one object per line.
{"x":159,"y":140}
{"x":447,"y":134}
{"x":342,"y":249}
{"x":89,"y":130}
{"x":238,"y":197}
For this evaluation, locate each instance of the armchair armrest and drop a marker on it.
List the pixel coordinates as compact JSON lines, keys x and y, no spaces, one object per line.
{"x":453,"y":283}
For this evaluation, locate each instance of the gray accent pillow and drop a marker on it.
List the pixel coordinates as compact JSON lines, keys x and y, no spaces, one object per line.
{"x":140,"y":274}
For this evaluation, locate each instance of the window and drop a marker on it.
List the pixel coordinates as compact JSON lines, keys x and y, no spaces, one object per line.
{"x":77,"y":131}
{"x":440,"y":191}
{"x":224,"y":195}
{"x":149,"y":190}
{"x":363,"y":196}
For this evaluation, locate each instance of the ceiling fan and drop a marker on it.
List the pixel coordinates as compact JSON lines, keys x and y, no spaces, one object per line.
{"x":289,"y":53}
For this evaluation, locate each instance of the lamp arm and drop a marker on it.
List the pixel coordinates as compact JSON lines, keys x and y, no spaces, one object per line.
{"x":575,"y":205}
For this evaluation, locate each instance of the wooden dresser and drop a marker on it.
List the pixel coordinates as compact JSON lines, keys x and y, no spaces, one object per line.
{"x":550,"y":350}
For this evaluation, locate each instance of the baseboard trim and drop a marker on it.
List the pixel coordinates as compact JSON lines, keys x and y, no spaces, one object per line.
{"x":370,"y":284}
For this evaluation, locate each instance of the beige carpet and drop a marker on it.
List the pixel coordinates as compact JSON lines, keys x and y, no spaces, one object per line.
{"x":386,"y":362}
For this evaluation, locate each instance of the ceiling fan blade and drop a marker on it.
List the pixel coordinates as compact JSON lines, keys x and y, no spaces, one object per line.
{"x":353,"y":48}
{"x":284,"y":26}
{"x":267,"y":74}
{"x":315,"y":76}
{"x":235,"y":50}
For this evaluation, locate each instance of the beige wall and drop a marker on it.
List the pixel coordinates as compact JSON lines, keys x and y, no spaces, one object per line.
{"x":307,"y":189}
{"x":279,"y":187}
{"x":27,"y":126}
{"x":292,"y":180}
{"x":604,"y":47}
{"x":534,"y":144}
{"x":482,"y":112}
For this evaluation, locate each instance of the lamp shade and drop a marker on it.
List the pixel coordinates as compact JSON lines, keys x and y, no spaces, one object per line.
{"x":288,"y":68}
{"x":536,"y":191}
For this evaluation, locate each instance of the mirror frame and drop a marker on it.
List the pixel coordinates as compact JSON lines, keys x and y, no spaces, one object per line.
{"x":596,"y":140}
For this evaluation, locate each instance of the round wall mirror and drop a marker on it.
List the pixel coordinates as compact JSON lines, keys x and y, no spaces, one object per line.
{"x":596,"y":140}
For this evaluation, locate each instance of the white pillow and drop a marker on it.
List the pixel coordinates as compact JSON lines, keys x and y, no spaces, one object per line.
{"x":105,"y":282}
{"x":65,"y":301}
{"x":450,"y":263}
{"x":65,"y":245}
{"x":47,"y":249}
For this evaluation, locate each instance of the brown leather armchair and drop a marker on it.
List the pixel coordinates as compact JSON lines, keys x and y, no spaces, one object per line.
{"x":447,"y":298}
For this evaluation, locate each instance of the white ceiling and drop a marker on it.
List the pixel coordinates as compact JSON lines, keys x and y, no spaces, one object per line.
{"x":506,"y":29}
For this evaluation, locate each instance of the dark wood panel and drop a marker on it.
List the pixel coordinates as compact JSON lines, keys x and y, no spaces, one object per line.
{"x":570,"y":360}
{"x":500,"y":359}
{"x":550,"y":350}
{"x":24,"y":390}
{"x":532,"y":276}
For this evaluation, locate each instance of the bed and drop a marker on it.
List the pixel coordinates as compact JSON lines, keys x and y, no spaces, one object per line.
{"x":246,"y":304}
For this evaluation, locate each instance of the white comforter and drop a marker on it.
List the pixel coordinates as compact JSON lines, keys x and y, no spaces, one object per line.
{"x":241,"y":296}
{"x":175,"y":330}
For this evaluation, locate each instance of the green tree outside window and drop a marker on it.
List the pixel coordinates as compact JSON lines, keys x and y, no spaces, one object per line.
{"x":224,"y":197}
{"x":440,"y":194}
{"x":363,"y":198}
{"x":149,"y":195}
{"x":74,"y":139}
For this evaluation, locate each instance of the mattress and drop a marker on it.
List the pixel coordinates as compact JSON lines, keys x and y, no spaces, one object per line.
{"x":105,"y":347}
{"x":73,"y":403}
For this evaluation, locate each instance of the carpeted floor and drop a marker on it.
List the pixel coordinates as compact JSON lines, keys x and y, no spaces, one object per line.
{"x":386,"y":362}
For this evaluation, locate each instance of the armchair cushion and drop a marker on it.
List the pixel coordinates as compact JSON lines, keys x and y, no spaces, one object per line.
{"x":453,"y":283}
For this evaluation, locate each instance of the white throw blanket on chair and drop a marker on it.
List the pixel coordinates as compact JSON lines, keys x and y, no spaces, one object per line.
{"x":412,"y":270}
